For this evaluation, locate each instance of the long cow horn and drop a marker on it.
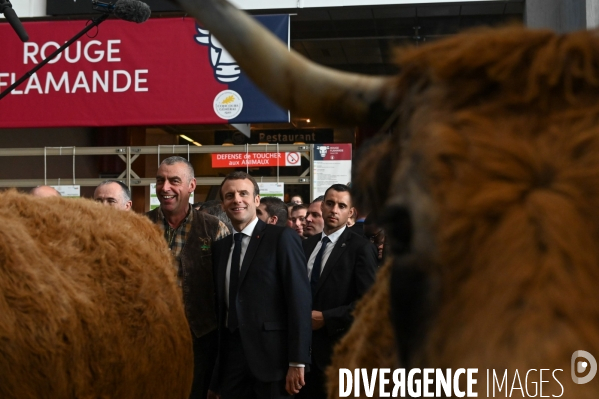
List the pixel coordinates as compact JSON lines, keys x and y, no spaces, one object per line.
{"x":292,"y":81}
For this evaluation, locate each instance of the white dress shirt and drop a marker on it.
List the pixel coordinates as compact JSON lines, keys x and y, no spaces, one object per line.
{"x":327,"y":251}
{"x":245,"y":241}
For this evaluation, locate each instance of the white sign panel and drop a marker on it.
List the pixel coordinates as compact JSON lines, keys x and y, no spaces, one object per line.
{"x":272,"y":190}
{"x":332,"y":165}
{"x":69,"y":191}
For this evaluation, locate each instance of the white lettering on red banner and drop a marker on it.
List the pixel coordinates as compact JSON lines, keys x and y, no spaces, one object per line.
{"x":255,"y":159}
{"x":69,"y":82}
{"x":123,"y":74}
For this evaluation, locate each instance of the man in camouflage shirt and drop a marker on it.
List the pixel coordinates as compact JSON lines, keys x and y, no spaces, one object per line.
{"x":189,"y":234}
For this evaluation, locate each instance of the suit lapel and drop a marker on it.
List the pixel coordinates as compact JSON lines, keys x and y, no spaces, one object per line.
{"x":250,"y":252}
{"x":339,"y":248}
{"x":310,"y":244}
{"x":223,"y":259}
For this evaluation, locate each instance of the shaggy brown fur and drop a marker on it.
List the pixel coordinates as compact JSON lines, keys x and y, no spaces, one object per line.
{"x":500,"y":174}
{"x":89,"y":306}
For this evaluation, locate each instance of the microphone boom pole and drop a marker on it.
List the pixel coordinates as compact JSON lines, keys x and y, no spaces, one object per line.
{"x":95,"y":22}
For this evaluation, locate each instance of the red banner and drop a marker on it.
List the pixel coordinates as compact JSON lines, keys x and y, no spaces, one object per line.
{"x":163,"y":71}
{"x":255,"y":159}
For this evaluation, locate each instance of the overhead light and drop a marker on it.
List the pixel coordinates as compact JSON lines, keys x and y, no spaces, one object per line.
{"x":192,"y":141}
{"x":308,"y":120}
{"x":228,"y":143}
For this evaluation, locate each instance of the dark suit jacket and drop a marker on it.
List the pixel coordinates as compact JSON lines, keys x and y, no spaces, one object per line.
{"x":273,"y":301}
{"x":347,"y":275}
{"x":358,"y":228}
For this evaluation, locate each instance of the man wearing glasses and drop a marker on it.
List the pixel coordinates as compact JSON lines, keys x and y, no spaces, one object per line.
{"x":376,"y":235}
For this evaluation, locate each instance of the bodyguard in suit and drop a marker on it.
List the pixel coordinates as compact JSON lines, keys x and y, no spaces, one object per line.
{"x":263,"y":299}
{"x":341,"y":268}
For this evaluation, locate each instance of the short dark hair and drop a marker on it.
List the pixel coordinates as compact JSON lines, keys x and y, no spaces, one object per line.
{"x":298,"y":207}
{"x":238,"y":175}
{"x":276,"y":207}
{"x":210,"y":203}
{"x":320,"y":198}
{"x":177,"y":159}
{"x":125,"y":190}
{"x":215,"y":208}
{"x":341,"y":188}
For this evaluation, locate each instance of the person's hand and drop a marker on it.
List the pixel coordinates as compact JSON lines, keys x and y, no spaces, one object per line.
{"x":295,"y":380}
{"x":317,"y":320}
{"x":213,"y":395}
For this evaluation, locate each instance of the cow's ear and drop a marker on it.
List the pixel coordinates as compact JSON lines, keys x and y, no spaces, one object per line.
{"x":414,"y":299}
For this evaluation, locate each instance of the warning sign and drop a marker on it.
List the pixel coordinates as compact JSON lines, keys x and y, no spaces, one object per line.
{"x":255,"y":159}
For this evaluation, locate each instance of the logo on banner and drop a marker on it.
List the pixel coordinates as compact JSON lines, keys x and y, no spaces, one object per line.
{"x":323,"y":149}
{"x":224,"y":65}
{"x":228,"y":104}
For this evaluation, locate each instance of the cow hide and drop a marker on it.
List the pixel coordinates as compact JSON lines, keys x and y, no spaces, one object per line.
{"x":495,"y":158}
{"x":89,"y":306}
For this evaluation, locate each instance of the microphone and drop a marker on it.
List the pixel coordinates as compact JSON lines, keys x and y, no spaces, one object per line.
{"x":13,"y":20}
{"x":128,"y":10}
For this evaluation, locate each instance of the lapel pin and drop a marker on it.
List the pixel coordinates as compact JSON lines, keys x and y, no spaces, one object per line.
{"x":343,"y":245}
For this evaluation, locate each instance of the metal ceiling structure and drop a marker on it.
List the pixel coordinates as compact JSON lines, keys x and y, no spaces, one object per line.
{"x":361,"y":39}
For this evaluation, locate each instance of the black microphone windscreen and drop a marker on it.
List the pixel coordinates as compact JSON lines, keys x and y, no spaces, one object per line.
{"x":132,"y":10}
{"x":12,"y":18}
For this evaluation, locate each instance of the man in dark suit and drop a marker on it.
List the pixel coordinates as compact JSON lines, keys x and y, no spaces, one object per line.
{"x":263,"y":299}
{"x":341,"y":267}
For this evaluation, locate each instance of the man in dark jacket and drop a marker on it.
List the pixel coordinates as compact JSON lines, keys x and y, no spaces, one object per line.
{"x":342,"y":267}
{"x":263,"y":298}
{"x":190,"y":234}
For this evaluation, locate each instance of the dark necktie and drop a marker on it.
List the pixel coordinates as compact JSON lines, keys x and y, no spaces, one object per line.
{"x":232,"y":322}
{"x":317,"y":268}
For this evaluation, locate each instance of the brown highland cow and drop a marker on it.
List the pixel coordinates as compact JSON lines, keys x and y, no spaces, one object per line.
{"x":491,"y":182}
{"x":89,"y":306}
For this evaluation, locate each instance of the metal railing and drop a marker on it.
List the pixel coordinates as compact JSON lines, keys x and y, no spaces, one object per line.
{"x":130,"y":154}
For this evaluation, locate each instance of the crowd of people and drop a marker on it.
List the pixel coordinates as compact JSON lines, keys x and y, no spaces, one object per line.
{"x":268,"y":287}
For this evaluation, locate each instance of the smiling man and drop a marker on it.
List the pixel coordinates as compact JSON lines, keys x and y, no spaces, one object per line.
{"x":263,"y":298}
{"x":190,"y":235}
{"x":341,"y":268}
